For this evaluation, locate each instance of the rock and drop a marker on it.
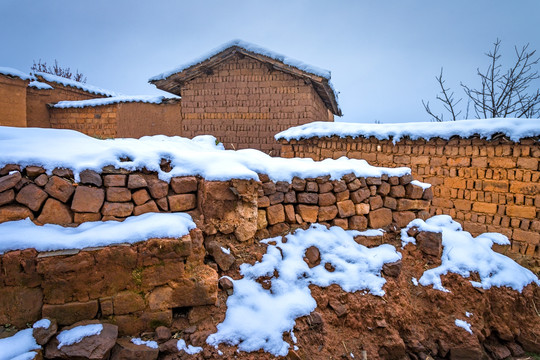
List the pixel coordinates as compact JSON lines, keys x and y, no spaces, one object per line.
{"x":55,"y":212}
{"x":397,"y":191}
{"x":117,"y":209}
{"x":312,"y":186}
{"x":515,"y":349}
{"x":339,"y":186}
{"x":327,"y":199}
{"x":90,"y":177}
{"x":126,"y":302}
{"x":358,"y":222}
{"x":327,"y":213}
{"x":186,"y":184}
{"x":346,"y":208}
{"x":226,"y":283}
{"x":158,"y":188}
{"x":118,"y":194}
{"x":360,"y":195}
{"x":308,"y":198}
{"x":9,"y":168}
{"x":163,"y":204}
{"x":290,"y":197}
{"x":182,"y":202}
{"x":112,"y":180}
{"x":223,"y":259}
{"x":169,"y":347}
{"x":380,"y":218}
{"x":34,"y":171}
{"x":403,"y":218}
{"x":375,"y":202}
{"x":146,"y":208}
{"x":14,"y":212}
{"x":20,"y":305}
{"x":136,"y":181}
{"x":63,"y":172}
{"x":325,"y":187}
{"x":276,"y":198}
{"x":498,"y":351}
{"x":59,"y":188}
{"x":67,"y":314}
{"x":95,"y":347}
{"x":298,"y":184}
{"x":87,"y":199}
{"x":126,"y":350}
{"x":413,"y":191}
{"x":269,"y":188}
{"x":9,"y":181}
{"x":308,"y":213}
{"x":313,"y":256}
{"x":275,"y":214}
{"x":140,"y":196}
{"x":339,"y":308}
{"x":80,"y":218}
{"x":392,"y":269}
{"x":7,"y":196}
{"x":405,"y":179}
{"x":430,"y":243}
{"x":163,"y":333}
{"x":362,"y":209}
{"x":32,"y":196}
{"x":408,"y":204}
{"x":315,"y":318}
{"x":43,"y":335}
{"x":41,"y":180}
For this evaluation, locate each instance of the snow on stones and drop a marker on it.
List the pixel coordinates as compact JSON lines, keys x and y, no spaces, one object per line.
{"x":257,"y":318}
{"x":150,"y":343}
{"x":75,"y":335}
{"x":515,"y":129}
{"x":19,"y":344}
{"x":202,"y":155}
{"x":24,"y":234}
{"x":190,"y":349}
{"x":464,"y":325}
{"x":464,"y":254}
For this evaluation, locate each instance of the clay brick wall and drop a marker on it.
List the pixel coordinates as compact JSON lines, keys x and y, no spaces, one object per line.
{"x":486,"y":185}
{"x":37,"y":112}
{"x":12,"y":101}
{"x":244,"y":103}
{"x":120,"y":120}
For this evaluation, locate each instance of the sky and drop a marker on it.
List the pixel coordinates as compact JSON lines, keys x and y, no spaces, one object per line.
{"x":383,"y":55}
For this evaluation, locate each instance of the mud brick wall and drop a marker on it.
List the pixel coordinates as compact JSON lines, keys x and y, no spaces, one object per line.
{"x":120,"y":120}
{"x":486,"y":185}
{"x":12,"y":101}
{"x":134,"y":286}
{"x":244,"y":103}
{"x":354,"y":203}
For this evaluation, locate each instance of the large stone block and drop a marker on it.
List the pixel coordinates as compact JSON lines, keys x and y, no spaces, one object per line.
{"x":380,"y":218}
{"x":67,"y":314}
{"x":182,"y":202}
{"x":32,"y":196}
{"x":20,"y":305}
{"x":59,"y":188}
{"x":183,"y":185}
{"x":118,"y":194}
{"x":309,"y":213}
{"x":9,"y":181}
{"x":117,"y":209}
{"x":275,"y":214}
{"x":87,"y":199}
{"x":55,"y":212}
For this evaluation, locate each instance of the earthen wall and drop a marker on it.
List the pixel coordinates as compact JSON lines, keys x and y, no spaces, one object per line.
{"x":12,"y":101}
{"x":97,"y":121}
{"x":487,"y":185}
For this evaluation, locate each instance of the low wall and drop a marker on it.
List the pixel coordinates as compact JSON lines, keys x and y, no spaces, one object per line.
{"x":486,"y":185}
{"x":12,"y":101}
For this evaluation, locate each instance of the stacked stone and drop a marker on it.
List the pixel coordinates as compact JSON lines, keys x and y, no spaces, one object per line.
{"x":351,"y":202}
{"x":112,"y":195}
{"x":135,"y":286}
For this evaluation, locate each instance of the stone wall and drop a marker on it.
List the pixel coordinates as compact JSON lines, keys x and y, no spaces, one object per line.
{"x":486,"y":185}
{"x":12,"y":101}
{"x":244,"y":103}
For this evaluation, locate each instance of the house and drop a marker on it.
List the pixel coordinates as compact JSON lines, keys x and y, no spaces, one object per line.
{"x":244,"y":95}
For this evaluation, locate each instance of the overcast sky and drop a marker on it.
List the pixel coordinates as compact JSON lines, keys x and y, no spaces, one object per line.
{"x":383,"y":55}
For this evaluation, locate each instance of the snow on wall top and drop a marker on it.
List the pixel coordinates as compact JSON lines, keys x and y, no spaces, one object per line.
{"x":110,"y":100}
{"x":76,"y":84}
{"x":251,"y":48}
{"x":15,"y":73}
{"x":201,"y":156}
{"x":515,"y":129}
{"x":40,"y":85}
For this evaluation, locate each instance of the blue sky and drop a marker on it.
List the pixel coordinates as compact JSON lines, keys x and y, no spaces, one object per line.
{"x":383,"y":55}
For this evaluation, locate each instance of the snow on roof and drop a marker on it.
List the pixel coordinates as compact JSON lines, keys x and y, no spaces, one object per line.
{"x":110,"y":100}
{"x":257,"y":318}
{"x":251,"y":48}
{"x":76,"y":84}
{"x":464,"y":254}
{"x":515,"y":129}
{"x":201,"y":156}
{"x":40,"y":85}
{"x":24,"y":234}
{"x":15,"y":73}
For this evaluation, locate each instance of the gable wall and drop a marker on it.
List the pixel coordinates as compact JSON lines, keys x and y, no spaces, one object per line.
{"x":244,"y":104}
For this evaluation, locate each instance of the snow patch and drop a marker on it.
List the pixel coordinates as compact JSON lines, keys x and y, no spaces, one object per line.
{"x":42,"y":324}
{"x":468,"y":314}
{"x":40,"y":85}
{"x":421,"y":184}
{"x":51,"y":148}
{"x":15,"y":73}
{"x":414,"y":281}
{"x":75,"y":335}
{"x":26,"y":356}
{"x":515,"y":129}
{"x":464,"y":325}
{"x":190,"y":349}
{"x":251,"y":48}
{"x":76,"y":84}
{"x":109,"y":100}
{"x":148,"y":343}
{"x":464,"y":254}
{"x":225,"y":250}
{"x":24,"y":234}
{"x":257,"y":318}
{"x":18,"y":345}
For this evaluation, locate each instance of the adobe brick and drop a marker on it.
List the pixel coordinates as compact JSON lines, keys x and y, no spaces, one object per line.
{"x":483,"y":207}
{"x":528,"y":212}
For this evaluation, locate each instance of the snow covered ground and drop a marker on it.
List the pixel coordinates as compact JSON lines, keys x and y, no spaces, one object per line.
{"x":515,"y":129}
{"x":52,"y":148}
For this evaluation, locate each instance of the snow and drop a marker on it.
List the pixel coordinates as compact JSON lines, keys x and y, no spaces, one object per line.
{"x":42,"y":324}
{"x":110,"y":100}
{"x":40,"y":85}
{"x":225,"y":250}
{"x":24,"y":234}
{"x":201,"y":156}
{"x":464,"y":325}
{"x":26,"y":356}
{"x":421,"y":184}
{"x":149,"y":343}
{"x":257,"y":318}
{"x":464,"y":254}
{"x":15,"y":73}
{"x":414,"y":281}
{"x":468,"y":314}
{"x":190,"y":349}
{"x":76,"y":84}
{"x":515,"y":129}
{"x":75,"y":335}
{"x":18,"y":345}
{"x":251,"y":48}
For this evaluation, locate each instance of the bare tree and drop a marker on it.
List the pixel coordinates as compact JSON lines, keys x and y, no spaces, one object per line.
{"x":58,"y":70}
{"x":502,"y":94}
